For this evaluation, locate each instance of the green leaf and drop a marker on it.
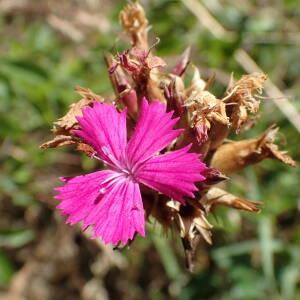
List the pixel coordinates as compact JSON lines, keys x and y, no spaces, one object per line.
{"x":16,"y":238}
{"x":7,"y":269}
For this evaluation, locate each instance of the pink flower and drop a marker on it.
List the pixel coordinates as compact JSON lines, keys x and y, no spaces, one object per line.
{"x":110,"y":200}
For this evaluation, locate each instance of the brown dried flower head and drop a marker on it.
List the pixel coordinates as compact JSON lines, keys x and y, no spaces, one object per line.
{"x":241,"y":96}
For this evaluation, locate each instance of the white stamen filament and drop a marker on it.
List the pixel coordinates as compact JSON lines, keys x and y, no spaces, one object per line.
{"x":114,"y":161}
{"x":111,"y":181}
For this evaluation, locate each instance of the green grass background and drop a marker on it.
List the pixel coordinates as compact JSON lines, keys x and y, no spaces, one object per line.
{"x":253,"y":256}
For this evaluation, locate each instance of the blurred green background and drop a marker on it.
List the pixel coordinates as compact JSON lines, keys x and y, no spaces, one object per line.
{"x":49,"y":47}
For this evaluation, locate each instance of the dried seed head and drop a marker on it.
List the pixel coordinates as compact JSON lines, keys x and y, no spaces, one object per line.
{"x":135,"y":23}
{"x":245,"y":90}
{"x":240,"y":98}
{"x":204,"y":108}
{"x":235,"y":156}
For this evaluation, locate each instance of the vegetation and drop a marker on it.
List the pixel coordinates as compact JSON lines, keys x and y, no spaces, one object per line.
{"x":52,"y":47}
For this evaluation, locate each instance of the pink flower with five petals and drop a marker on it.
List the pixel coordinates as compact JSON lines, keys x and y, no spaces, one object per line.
{"x":110,"y":200}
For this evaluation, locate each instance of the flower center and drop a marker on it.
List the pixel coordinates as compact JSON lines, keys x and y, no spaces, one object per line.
{"x":122,"y":165}
{"x":128,"y":173}
{"x":123,"y":168}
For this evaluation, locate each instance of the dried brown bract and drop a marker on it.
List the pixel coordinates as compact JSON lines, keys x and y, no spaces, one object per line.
{"x":59,"y":141}
{"x":69,"y":120}
{"x":63,"y":127}
{"x":218,"y":197}
{"x":192,"y":227}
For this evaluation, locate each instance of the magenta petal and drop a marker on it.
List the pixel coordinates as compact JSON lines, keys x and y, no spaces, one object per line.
{"x":173,"y":174}
{"x":104,"y":128}
{"x":153,"y":132}
{"x":121,"y":212}
{"x":106,"y":200}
